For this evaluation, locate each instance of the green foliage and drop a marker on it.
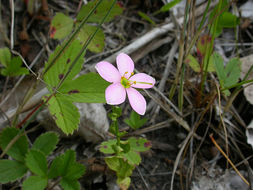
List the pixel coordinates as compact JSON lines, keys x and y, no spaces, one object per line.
{"x":19,"y":144}
{"x":64,"y":112}
{"x":35,"y":183}
{"x":66,"y":167}
{"x":69,"y":184}
{"x":13,"y":66}
{"x":46,"y":142}
{"x":36,"y":161}
{"x":228,"y":75}
{"x":86,"y":88}
{"x":11,"y":170}
{"x":135,"y":121}
{"x":169,"y":5}
{"x":97,"y":44}
{"x":100,"y":12}
{"x":62,"y":65}
{"x":221,"y":18}
{"x":61,"y":26}
{"x":5,"y":56}
{"x":122,"y":169}
{"x":89,"y":88}
{"x":146,"y":17}
{"x":125,"y":156}
{"x":194,"y":64}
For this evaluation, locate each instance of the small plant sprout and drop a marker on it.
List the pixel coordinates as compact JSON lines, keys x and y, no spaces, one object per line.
{"x":124,"y":81}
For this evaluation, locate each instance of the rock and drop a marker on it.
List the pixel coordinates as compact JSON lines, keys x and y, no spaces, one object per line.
{"x":93,"y":122}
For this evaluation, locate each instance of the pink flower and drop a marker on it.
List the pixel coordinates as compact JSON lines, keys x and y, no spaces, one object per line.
{"x":124,"y":82}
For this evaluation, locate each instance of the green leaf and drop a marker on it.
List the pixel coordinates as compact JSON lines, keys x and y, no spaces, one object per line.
{"x":46,"y":142}
{"x":122,"y":168}
{"x":100,"y":12}
{"x":106,"y":146}
{"x":169,"y":5}
{"x":135,"y":121}
{"x":228,"y":20}
{"x":66,"y":166}
{"x":70,"y":184}
{"x":219,"y":67}
{"x":97,"y":43}
{"x":132,"y":157}
{"x":140,"y":144}
{"x":14,"y":68}
{"x":36,"y":161}
{"x":233,"y":71}
{"x":34,"y":183}
{"x":228,"y":75}
{"x":65,"y":114}
{"x":88,"y":88}
{"x":20,"y":147}
{"x":11,"y":170}
{"x":124,"y":183}
{"x":61,"y":26}
{"x":62,"y":65}
{"x":193,"y":63}
{"x":5,"y":56}
{"x":146,"y":17}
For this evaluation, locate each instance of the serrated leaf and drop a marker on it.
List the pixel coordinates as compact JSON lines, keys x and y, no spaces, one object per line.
{"x":219,"y":67}
{"x":97,"y":43}
{"x":36,"y":161}
{"x":5,"y":56}
{"x":146,"y":17}
{"x":11,"y":170}
{"x":65,"y":114}
{"x":19,"y":149}
{"x":46,"y":142}
{"x":62,"y":64}
{"x":66,"y":166}
{"x":100,"y":12}
{"x":135,"y":121}
{"x":89,"y":88}
{"x":228,"y":75}
{"x":140,"y":144}
{"x":34,"y":183}
{"x":70,"y":184}
{"x":14,"y":68}
{"x":233,"y":71}
{"x":169,"y":5}
{"x":106,"y":147}
{"x":61,"y":26}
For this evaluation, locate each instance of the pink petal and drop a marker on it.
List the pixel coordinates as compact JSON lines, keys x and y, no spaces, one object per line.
{"x":108,"y":72}
{"x":137,"y":101}
{"x":125,"y":65}
{"x":115,"y":94}
{"x":141,"y":78}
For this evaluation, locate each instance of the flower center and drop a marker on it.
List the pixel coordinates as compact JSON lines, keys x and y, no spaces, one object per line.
{"x":125,"y":82}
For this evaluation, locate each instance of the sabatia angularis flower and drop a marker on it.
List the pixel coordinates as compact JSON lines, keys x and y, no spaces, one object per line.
{"x":124,"y":81}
